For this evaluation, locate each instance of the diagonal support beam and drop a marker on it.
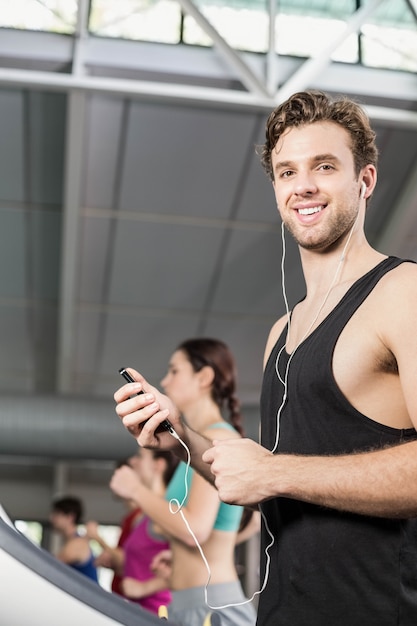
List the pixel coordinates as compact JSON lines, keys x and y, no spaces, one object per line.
{"x":247,"y":76}
{"x":397,"y":117}
{"x":312,"y":68}
{"x":412,"y":5}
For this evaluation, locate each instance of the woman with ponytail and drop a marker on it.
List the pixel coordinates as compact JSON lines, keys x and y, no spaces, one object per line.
{"x":201,"y":382}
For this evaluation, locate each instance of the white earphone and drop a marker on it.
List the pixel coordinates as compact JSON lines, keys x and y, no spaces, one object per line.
{"x":363,"y":189}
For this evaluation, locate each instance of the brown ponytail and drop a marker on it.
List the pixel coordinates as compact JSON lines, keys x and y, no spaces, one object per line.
{"x":214,"y":353}
{"x":217,"y":355}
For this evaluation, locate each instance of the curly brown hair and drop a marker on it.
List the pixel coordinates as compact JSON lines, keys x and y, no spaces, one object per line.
{"x":307,"y":107}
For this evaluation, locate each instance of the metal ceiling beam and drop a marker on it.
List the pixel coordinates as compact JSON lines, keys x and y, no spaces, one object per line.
{"x":311,"y":68}
{"x":251,"y":81}
{"x":70,"y":234}
{"x":271,"y":55}
{"x":412,"y":5}
{"x":203,"y":96}
{"x":73,"y":169}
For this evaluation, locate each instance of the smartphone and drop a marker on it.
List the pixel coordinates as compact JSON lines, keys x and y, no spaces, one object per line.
{"x":166,"y":424}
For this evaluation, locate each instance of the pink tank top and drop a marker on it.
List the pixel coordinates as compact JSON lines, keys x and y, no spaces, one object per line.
{"x":140,"y":548}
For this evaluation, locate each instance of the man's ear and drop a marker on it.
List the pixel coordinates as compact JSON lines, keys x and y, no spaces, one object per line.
{"x":369,"y":178}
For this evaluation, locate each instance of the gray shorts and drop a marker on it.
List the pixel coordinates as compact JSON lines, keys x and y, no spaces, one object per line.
{"x":188,"y":607}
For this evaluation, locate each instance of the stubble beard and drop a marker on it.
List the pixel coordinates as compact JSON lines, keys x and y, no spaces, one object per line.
{"x":324,"y":236}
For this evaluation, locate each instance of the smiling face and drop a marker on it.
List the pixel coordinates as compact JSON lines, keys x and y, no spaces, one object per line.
{"x":316,"y":188}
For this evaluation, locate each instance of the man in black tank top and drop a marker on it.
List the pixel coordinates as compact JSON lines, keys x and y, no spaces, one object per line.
{"x":335,"y":475}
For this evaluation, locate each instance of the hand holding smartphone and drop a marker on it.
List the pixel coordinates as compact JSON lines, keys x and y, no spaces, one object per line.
{"x":166,"y":424}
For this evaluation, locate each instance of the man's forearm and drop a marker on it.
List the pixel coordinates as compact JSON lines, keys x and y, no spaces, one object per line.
{"x":381,"y":483}
{"x":197,"y":445}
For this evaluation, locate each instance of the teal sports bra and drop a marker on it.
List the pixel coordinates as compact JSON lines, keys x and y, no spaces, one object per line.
{"x":228,"y":516}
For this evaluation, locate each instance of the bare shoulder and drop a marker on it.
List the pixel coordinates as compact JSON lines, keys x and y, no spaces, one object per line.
{"x":79,"y":544}
{"x":395,"y":301}
{"x":274,"y":333}
{"x":74,"y":550}
{"x":403,"y":276}
{"x":398,"y":288}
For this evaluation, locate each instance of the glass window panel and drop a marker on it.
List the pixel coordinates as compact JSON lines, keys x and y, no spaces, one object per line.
{"x":306,"y":37}
{"x":392,"y":48}
{"x":144,"y":20}
{"x":193,"y":34}
{"x":341,"y":9}
{"x":31,"y":530}
{"x":395,"y":13}
{"x":389,"y":38}
{"x":300,"y":30}
{"x":242,"y":28}
{"x":57,"y":16}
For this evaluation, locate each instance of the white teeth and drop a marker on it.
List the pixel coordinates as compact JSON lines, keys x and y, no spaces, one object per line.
{"x":315,"y":209}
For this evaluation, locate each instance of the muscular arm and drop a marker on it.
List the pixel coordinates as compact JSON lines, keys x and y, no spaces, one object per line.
{"x":381,"y":483}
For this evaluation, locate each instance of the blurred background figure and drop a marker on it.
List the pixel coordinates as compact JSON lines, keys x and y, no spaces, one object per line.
{"x":201,"y":381}
{"x":140,"y":539}
{"x":112,"y":557}
{"x":154,"y":468}
{"x":65,"y":517}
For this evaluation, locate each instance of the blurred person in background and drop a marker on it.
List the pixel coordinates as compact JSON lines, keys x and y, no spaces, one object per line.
{"x":201,"y":381}
{"x":112,"y":557}
{"x":65,"y":517}
{"x":153,"y":469}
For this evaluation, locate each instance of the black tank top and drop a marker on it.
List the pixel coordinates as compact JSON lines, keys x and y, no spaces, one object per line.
{"x":330,"y":568}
